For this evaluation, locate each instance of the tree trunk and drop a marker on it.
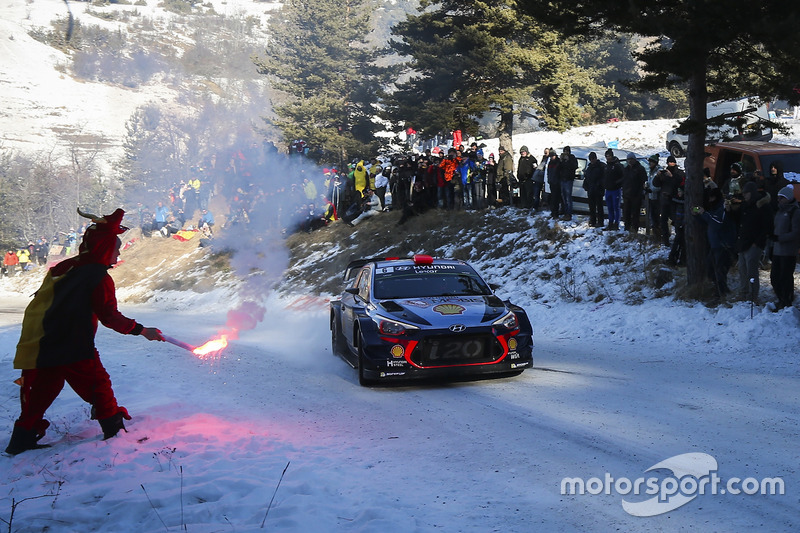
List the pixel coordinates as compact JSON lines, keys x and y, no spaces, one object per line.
{"x":696,"y":244}
{"x":506,"y":128}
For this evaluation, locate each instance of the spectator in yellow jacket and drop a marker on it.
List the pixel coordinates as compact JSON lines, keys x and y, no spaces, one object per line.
{"x":24,"y":256}
{"x":360,"y":175}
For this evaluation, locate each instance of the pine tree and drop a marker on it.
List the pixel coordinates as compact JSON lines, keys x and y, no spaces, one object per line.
{"x":610,"y":62}
{"x":318,"y":59}
{"x":715,"y":49}
{"x":470,"y":57}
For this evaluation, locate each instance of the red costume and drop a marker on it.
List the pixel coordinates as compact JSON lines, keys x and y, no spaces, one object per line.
{"x":58,"y":330}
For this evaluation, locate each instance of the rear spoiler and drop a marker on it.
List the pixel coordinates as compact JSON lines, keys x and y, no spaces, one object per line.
{"x":354,"y":266}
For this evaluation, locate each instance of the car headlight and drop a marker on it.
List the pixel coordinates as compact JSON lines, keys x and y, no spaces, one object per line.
{"x":509,"y":320}
{"x":387,"y":326}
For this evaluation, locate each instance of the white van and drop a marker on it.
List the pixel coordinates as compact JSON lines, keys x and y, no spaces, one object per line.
{"x":754,"y":128}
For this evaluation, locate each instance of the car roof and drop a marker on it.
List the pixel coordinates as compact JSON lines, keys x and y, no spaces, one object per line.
{"x":762,"y":147}
{"x":582,"y":152}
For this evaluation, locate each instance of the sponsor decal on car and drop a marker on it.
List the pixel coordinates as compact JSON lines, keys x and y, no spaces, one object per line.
{"x":449,"y":309}
{"x":392,"y":362}
{"x":416,"y":303}
{"x":423,"y":304}
{"x":513,"y":355}
{"x":512,"y":343}
{"x":397,"y":351}
{"x":421,"y":269}
{"x":390,"y":374}
{"x":520,"y":365}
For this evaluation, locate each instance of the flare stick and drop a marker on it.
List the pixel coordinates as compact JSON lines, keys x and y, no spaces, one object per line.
{"x":178,"y":343}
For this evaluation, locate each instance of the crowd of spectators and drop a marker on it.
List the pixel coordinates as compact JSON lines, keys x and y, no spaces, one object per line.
{"x":22,"y":259}
{"x":287,"y":193}
{"x":753,"y":221}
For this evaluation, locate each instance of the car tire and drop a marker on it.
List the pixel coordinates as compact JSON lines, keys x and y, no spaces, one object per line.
{"x":362,"y":379}
{"x":675,"y":150}
{"x":338,"y":345}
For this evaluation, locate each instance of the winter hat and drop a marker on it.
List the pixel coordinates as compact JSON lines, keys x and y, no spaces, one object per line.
{"x":654,"y":158}
{"x":609,"y":152}
{"x":523,"y":149}
{"x":787,"y":192}
{"x":737,"y":167}
{"x":592,"y":156}
{"x":630,"y":155}
{"x":671,"y":159}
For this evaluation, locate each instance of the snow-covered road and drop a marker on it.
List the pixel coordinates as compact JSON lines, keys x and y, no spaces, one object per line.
{"x":208,"y":442}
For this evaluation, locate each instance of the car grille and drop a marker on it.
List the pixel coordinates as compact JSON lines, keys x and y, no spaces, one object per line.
{"x":450,"y":350}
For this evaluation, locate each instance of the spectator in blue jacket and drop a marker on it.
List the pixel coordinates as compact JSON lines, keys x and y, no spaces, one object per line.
{"x":162,"y":212}
{"x":206,"y":219}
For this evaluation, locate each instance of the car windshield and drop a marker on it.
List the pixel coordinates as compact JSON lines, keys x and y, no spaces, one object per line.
{"x":416,"y":281}
{"x":790,"y":162}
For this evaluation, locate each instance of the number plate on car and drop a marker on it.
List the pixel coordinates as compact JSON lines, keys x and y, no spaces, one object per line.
{"x":457,"y":350}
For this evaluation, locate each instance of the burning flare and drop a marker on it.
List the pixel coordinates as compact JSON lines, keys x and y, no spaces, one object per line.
{"x":212,"y":347}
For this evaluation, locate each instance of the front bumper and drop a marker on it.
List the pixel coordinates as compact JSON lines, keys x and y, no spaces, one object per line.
{"x":439,"y":353}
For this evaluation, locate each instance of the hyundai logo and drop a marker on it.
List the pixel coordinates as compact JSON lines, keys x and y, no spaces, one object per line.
{"x":457,"y":328}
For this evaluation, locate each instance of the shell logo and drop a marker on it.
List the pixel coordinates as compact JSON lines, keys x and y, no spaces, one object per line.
{"x":512,"y":344}
{"x":397,"y":351}
{"x":449,"y":309}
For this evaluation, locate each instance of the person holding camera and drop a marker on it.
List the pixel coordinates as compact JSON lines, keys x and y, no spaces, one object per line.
{"x":669,"y":180}
{"x":653,"y":193}
{"x":721,"y":233}
{"x":370,"y":206}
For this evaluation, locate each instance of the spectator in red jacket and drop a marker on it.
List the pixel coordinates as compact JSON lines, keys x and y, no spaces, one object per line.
{"x":10,"y":262}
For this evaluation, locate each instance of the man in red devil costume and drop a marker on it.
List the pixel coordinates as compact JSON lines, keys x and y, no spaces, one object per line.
{"x":57,"y":340}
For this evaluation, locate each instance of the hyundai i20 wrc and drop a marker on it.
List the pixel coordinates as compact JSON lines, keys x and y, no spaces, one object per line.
{"x":419,"y":317}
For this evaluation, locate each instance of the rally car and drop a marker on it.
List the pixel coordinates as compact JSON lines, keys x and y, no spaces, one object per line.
{"x":404,"y":318}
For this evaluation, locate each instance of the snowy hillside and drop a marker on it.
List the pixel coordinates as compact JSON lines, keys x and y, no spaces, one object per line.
{"x":46,"y":109}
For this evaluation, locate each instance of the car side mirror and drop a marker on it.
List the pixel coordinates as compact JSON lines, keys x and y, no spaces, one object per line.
{"x":352,"y":290}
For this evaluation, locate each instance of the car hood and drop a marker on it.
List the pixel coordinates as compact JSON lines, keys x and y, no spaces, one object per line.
{"x":443,"y":311}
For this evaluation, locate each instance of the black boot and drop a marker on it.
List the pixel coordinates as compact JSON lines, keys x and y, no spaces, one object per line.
{"x":112,"y":425}
{"x":24,"y":439}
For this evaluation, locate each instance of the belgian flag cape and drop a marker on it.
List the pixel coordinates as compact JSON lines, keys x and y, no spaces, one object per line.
{"x":58,"y":327}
